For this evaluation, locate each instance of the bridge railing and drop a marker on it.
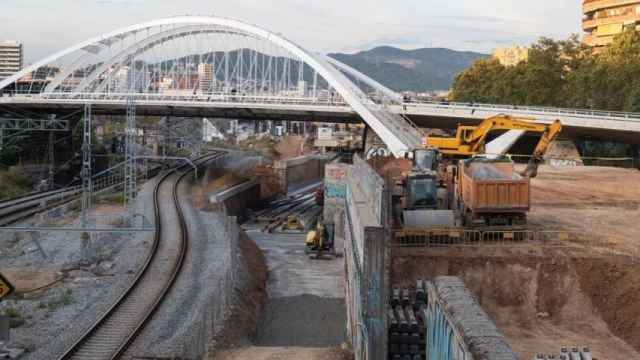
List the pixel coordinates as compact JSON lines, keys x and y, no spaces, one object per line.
{"x":198,"y":97}
{"x":540,"y":109}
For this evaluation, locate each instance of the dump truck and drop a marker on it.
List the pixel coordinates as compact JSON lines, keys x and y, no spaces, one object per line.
{"x":490,"y":192}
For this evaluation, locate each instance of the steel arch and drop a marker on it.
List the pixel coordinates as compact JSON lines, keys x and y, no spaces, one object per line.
{"x":144,"y":45}
{"x":397,"y":134}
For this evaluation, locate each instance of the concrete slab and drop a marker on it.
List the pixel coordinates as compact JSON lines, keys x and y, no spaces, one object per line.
{"x":305,"y":306}
{"x":292,"y":273}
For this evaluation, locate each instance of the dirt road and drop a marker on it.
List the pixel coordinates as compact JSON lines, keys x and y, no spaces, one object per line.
{"x":283,"y":353}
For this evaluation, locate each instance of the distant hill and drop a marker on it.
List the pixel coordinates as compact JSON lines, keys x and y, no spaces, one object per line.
{"x":411,"y":70}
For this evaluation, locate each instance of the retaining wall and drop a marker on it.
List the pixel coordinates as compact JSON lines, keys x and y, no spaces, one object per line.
{"x":366,"y":239}
{"x":301,"y":169}
{"x":238,"y":199}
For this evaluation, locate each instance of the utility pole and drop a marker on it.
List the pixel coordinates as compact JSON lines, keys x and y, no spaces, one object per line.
{"x":130,"y":183}
{"x":51,"y":160}
{"x":85,"y":173}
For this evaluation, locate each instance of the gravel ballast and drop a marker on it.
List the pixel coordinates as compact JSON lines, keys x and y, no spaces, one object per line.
{"x":90,"y":280}
{"x":188,"y":318}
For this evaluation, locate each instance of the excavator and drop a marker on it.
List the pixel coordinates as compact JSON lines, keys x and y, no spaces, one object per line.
{"x":471,"y":140}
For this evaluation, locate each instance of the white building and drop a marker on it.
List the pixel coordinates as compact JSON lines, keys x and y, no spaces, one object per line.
{"x":11,"y":58}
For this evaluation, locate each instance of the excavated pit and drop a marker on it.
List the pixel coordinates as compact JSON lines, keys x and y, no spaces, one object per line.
{"x":542,"y":301}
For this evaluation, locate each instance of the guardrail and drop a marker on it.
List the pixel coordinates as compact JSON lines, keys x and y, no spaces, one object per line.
{"x":198,"y":98}
{"x":618,"y":115}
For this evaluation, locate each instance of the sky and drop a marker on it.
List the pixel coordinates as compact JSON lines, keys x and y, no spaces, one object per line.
{"x":47,"y":26}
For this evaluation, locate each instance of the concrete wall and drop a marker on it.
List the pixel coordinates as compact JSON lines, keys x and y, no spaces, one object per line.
{"x":239,"y":198}
{"x":458,"y":327}
{"x":366,"y":239}
{"x":335,"y":192}
{"x":300,"y":170}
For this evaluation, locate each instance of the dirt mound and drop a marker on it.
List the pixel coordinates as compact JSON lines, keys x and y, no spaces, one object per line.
{"x":306,"y":321}
{"x":543,"y":303}
{"x":390,"y":166}
{"x":563,"y":149}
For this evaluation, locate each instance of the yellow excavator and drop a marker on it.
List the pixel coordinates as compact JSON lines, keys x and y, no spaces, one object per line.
{"x":319,"y":244}
{"x":471,"y":140}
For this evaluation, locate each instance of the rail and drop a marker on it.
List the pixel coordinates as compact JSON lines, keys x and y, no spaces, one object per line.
{"x":126,"y":302}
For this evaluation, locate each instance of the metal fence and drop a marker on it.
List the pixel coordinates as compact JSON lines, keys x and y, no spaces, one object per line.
{"x":449,"y":237}
{"x":355,"y":301}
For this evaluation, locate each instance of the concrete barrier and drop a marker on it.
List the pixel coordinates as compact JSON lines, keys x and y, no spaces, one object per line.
{"x":299,"y":170}
{"x":236,"y":200}
{"x":458,"y":327}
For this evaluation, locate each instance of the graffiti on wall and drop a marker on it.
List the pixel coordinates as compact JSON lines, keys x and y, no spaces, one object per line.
{"x":335,"y":186}
{"x":335,"y":191}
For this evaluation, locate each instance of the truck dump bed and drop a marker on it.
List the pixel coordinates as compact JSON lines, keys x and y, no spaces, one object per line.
{"x":493,"y":186}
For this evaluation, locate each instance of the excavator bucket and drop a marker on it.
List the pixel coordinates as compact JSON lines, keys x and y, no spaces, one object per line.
{"x":531,"y":170}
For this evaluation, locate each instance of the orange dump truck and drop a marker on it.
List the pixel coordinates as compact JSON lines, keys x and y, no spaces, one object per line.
{"x":491,"y":193}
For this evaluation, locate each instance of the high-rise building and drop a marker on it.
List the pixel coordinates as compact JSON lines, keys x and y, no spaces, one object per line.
{"x":205,"y":77}
{"x":11,"y":58}
{"x":604,"y":19}
{"x":511,"y":56}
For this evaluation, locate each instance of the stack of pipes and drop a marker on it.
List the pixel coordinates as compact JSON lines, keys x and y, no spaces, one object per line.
{"x":565,"y":354}
{"x":406,"y":328}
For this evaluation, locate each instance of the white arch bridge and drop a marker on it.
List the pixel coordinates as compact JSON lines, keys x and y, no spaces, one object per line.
{"x":205,"y":62}
{"x":220,"y":67}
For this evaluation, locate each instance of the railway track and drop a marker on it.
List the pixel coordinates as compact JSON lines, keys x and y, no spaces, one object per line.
{"x":18,"y":209}
{"x":22,"y":207}
{"x":117,"y":328}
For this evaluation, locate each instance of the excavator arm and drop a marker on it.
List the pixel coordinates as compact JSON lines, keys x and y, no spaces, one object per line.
{"x":537,"y":157}
{"x":471,"y":140}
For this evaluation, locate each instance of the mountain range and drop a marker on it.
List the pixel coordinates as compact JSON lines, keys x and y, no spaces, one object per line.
{"x":416,"y":70}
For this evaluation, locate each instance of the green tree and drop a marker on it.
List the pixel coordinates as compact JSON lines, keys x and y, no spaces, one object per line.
{"x":560,"y":73}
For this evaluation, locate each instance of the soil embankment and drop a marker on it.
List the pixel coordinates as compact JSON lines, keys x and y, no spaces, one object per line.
{"x":543,"y":302}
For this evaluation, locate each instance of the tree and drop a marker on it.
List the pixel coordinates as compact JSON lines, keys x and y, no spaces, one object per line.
{"x":560,"y":73}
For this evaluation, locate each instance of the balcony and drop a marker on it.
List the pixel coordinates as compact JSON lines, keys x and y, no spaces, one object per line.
{"x":591,"y":6}
{"x":589,"y":25}
{"x":595,"y":41}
